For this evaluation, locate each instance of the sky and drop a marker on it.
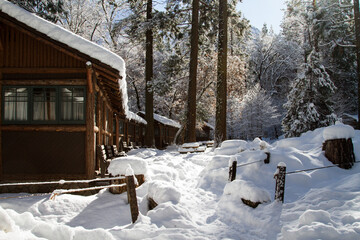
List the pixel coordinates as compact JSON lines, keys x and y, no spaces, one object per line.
{"x":263,"y":11}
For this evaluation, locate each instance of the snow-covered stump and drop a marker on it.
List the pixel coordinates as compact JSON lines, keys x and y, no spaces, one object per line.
{"x":338,"y":145}
{"x":131,"y":192}
{"x":280,"y":182}
{"x":232,"y":171}
{"x":340,"y":152}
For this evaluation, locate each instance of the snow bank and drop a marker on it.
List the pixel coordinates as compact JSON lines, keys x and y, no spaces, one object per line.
{"x":231,"y":147}
{"x":338,"y":131}
{"x":215,"y":175}
{"x":170,"y":216}
{"x":238,"y":189}
{"x":162,"y":192}
{"x":118,"y":166}
{"x":191,"y":145}
{"x":25,"y":226}
{"x":6,"y":223}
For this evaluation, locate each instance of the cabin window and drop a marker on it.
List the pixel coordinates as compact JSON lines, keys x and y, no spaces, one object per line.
{"x":131,"y":129}
{"x":44,"y":104}
{"x":16,"y":104}
{"x":72,"y":104}
{"x":39,"y":104}
{"x":121,"y":127}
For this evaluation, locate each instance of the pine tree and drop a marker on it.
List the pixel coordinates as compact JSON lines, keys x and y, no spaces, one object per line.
{"x":309,"y":105}
{"x":191,"y":106}
{"x":149,"y":97}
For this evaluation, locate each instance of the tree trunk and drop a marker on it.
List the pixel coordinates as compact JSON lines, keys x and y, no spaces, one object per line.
{"x":149,"y":98}
{"x":357,"y":35}
{"x":191,"y":108}
{"x":221,"y":88}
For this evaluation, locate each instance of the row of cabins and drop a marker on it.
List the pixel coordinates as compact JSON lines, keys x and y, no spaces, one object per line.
{"x":61,"y":96}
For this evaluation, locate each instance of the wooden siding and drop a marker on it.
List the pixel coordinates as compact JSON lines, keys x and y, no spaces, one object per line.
{"x":26,"y":51}
{"x":37,"y":153}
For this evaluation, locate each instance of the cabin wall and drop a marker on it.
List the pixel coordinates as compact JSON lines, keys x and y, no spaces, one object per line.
{"x":46,"y":150}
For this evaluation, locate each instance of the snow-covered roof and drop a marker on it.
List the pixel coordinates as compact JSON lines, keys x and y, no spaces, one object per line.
{"x":209,"y":125}
{"x":133,"y":116}
{"x":164,"y":120}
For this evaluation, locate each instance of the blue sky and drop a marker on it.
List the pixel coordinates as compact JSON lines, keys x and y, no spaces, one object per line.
{"x":263,"y":11}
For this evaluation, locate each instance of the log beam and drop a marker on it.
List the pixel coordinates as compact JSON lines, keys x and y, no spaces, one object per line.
{"x":44,"y":128}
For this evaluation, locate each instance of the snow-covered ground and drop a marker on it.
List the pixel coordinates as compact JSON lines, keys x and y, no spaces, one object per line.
{"x":196,"y":201}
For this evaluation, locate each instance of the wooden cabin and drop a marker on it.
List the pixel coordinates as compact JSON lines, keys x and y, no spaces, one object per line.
{"x":61,"y":95}
{"x":132,"y":129}
{"x":204,"y":132}
{"x":165,"y":130}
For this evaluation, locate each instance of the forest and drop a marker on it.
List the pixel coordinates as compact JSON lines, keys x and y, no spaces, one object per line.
{"x":201,"y":62}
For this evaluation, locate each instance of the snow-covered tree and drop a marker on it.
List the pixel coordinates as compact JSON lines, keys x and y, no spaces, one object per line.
{"x":309,"y":104}
{"x":47,"y":9}
{"x":254,"y":116}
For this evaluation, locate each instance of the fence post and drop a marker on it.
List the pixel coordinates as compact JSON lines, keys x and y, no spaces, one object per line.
{"x":130,"y":183}
{"x":267,"y":159}
{"x":232,"y":171}
{"x":280,"y":181}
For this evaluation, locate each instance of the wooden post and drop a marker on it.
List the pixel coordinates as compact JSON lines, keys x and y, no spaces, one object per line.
{"x":280,"y":182}
{"x":232,"y":171}
{"x":89,"y":136}
{"x":130,"y":183}
{"x":267,"y":160}
{"x":117,"y":136}
{"x":89,"y":72}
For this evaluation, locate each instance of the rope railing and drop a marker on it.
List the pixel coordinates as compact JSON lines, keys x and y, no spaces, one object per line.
{"x":61,"y":182}
{"x":280,"y":178}
{"x":234,"y":166}
{"x":312,"y":169}
{"x":58,"y":192}
{"x":245,"y":164}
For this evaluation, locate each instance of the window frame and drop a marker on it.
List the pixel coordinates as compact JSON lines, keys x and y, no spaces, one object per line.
{"x":30,"y":106}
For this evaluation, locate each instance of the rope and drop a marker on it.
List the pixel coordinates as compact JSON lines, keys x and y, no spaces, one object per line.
{"x":60,"y":182}
{"x":311,"y":169}
{"x":245,"y":164}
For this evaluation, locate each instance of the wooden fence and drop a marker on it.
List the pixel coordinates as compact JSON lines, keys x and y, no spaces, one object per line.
{"x":128,"y":183}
